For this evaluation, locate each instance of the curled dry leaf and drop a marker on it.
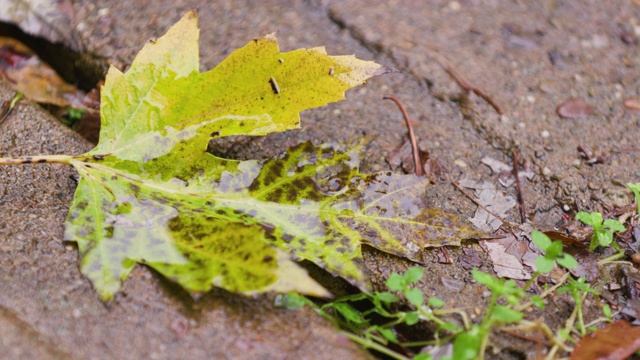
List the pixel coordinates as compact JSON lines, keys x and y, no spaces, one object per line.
{"x":25,"y":72}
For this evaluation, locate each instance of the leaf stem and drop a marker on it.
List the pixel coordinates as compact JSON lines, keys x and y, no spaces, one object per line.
{"x":373,"y":345}
{"x":17,"y":160}
{"x":546,"y":292}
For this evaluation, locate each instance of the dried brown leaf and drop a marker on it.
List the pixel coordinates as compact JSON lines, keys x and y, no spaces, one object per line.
{"x":617,"y":340}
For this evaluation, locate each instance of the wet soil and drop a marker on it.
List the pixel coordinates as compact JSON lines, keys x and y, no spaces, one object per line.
{"x":529,"y":56}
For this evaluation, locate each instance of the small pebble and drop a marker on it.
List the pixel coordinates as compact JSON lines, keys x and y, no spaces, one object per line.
{"x":460,"y":163}
{"x":577,"y":163}
{"x":565,"y":208}
{"x":574,"y":109}
{"x":454,"y":5}
{"x":635,"y":258}
{"x":76,"y":313}
{"x":594,"y":186}
{"x":531,"y":98}
{"x":632,"y":104}
{"x":599,"y":41}
{"x":546,"y":171}
{"x":545,"y":134}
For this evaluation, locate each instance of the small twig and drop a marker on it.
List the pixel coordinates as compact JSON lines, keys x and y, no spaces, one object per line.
{"x":464,"y":83}
{"x":445,"y":254}
{"x":523,"y":215}
{"x":8,"y":106}
{"x":414,"y":145}
{"x":482,"y":206}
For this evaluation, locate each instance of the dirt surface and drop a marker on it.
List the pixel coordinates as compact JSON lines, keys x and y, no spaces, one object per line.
{"x":528,"y":56}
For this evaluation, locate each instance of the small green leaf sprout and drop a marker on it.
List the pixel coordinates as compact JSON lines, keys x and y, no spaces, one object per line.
{"x":602,"y":230}
{"x":579,"y":289}
{"x":552,"y":254}
{"x":635,"y":188}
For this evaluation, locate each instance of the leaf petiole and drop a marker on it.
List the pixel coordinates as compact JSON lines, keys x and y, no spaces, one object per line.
{"x":16,"y":160}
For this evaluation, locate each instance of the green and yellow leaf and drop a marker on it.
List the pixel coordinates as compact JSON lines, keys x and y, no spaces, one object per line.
{"x":150,"y":193}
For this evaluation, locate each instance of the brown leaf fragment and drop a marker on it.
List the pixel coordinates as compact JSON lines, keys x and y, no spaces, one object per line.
{"x":469,"y":258}
{"x":567,"y":240}
{"x":632,"y":281}
{"x":617,"y":340}
{"x":504,"y":264}
{"x":493,"y":200}
{"x":587,"y":263}
{"x":432,"y":170}
{"x":403,"y":156}
{"x":632,"y":310}
{"x":26,"y":73}
{"x":452,"y":284}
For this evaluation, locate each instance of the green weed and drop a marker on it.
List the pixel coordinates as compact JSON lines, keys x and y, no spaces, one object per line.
{"x":602,"y":230}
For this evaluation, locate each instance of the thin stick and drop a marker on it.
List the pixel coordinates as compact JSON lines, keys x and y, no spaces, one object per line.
{"x":464,"y":83}
{"x":523,"y":215}
{"x":481,"y":206}
{"x":414,"y":145}
{"x":60,"y":159}
{"x":8,"y":106}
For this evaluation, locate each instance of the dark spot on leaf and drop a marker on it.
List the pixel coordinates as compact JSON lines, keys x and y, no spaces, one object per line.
{"x":98,"y":157}
{"x":267,"y":259}
{"x":160,"y":199}
{"x":329,"y":242}
{"x":275,"y":195}
{"x":135,"y":188}
{"x":287,"y":238}
{"x":82,"y":204}
{"x":42,"y":161}
{"x":268,"y":228}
